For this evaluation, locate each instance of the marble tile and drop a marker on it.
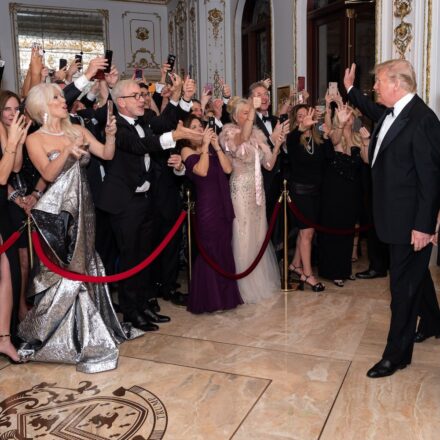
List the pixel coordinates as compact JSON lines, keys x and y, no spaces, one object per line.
{"x":186,"y":403}
{"x":405,"y":406}
{"x":296,"y":322}
{"x":294,"y":406}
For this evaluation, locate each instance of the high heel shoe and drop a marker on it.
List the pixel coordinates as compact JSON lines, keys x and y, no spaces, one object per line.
{"x":317,"y":287}
{"x":295,"y":271}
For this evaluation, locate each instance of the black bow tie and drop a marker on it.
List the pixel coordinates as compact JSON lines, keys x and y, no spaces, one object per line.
{"x":265,"y":118}
{"x":136,"y":122}
{"x":389,"y":111}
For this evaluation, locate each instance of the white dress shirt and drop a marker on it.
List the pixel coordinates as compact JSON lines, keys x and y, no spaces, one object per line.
{"x":267,"y":123}
{"x":388,"y":122}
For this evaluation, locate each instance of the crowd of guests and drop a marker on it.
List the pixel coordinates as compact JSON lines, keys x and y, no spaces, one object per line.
{"x":79,"y":152}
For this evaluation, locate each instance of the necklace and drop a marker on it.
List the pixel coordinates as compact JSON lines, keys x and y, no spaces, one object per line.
{"x":310,"y":145}
{"x":60,"y":133}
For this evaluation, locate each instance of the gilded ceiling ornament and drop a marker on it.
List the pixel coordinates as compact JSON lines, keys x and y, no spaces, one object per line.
{"x":215,"y":17}
{"x":142,"y":33}
{"x":403,"y":32}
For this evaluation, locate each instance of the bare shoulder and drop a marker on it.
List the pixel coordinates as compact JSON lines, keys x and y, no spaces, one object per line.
{"x":186,"y":152}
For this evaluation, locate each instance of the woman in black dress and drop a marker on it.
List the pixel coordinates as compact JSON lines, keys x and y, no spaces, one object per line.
{"x":341,"y":196}
{"x":306,"y":155}
{"x":11,"y":156}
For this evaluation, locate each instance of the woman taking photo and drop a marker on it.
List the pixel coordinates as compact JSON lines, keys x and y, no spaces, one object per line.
{"x":207,"y":167}
{"x":306,"y":155}
{"x":72,"y":322}
{"x":11,"y":156}
{"x":247,"y":147}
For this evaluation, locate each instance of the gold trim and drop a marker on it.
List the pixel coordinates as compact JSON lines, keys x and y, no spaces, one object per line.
{"x":428,"y":54}
{"x":378,"y":51}
{"x":215,"y":17}
{"x":295,"y":40}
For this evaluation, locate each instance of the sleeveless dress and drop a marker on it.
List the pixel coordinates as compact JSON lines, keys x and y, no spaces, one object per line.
{"x":210,"y":291}
{"x":250,"y":223}
{"x":71,"y":322}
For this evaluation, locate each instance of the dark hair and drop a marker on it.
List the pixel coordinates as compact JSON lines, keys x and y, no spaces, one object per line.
{"x":5,"y":95}
{"x":187,"y":123}
{"x":196,"y":100}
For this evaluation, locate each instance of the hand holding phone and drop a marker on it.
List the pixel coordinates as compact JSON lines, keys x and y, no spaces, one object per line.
{"x":78,"y":59}
{"x":109,"y":57}
{"x":211,"y":123}
{"x":138,"y":74}
{"x":257,"y":102}
{"x":332,"y":88}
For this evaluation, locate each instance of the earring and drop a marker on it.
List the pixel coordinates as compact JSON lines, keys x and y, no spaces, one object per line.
{"x":45,"y":117}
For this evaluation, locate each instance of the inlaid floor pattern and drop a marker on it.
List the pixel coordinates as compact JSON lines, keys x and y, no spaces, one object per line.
{"x":291,"y":368}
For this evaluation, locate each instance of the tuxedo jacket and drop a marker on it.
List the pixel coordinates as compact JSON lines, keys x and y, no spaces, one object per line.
{"x":126,"y":171}
{"x":406,"y":173}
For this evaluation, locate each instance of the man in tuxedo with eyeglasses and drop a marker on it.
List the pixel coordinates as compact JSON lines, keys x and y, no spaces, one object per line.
{"x":127,"y":196}
{"x":404,"y":155}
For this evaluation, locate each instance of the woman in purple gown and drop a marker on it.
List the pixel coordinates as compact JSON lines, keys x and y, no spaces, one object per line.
{"x":207,"y":166}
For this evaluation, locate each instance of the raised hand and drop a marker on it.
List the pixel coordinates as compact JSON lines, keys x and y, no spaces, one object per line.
{"x":226,"y":89}
{"x":112,"y":77}
{"x":110,"y":128}
{"x":309,"y":120}
{"x":364,"y":133}
{"x":95,"y":64}
{"x":18,"y":130}
{"x":182,"y":132}
{"x":189,"y":88}
{"x":343,"y":113}
{"x":349,"y":77}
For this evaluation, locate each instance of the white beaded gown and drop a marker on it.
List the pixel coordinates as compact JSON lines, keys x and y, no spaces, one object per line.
{"x":250,"y":223}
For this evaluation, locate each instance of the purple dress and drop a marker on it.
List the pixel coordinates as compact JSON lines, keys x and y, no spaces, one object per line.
{"x":210,"y":291}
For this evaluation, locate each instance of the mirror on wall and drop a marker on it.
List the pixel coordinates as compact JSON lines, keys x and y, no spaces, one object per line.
{"x":60,"y":32}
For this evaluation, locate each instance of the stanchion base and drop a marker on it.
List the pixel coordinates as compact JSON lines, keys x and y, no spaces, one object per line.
{"x":291,"y":287}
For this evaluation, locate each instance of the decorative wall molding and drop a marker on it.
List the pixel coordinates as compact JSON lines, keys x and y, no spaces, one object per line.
{"x":402,"y":32}
{"x":142,"y":42}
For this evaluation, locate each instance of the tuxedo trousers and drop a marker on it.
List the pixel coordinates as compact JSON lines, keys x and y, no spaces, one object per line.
{"x":133,"y":232}
{"x":412,"y":295}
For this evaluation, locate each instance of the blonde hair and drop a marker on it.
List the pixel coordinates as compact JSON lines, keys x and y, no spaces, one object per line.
{"x":401,"y":70}
{"x":234,"y":106}
{"x":355,"y":136}
{"x":37,"y":106}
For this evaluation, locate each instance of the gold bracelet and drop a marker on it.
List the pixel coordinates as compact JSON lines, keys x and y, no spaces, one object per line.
{"x":10,"y":152}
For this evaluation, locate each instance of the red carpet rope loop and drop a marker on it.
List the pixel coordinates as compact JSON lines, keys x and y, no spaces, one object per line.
{"x":238,"y":276}
{"x":333,"y":231}
{"x":110,"y":278}
{"x":10,"y":241}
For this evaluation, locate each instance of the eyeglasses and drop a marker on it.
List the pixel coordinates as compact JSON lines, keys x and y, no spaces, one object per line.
{"x":136,"y":96}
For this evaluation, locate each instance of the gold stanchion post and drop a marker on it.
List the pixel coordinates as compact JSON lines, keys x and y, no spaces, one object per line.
{"x":31,"y":247}
{"x":285,"y":286}
{"x":190,"y":207}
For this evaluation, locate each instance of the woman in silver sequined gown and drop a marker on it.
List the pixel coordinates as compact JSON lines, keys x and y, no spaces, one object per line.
{"x":249,"y":151}
{"x":72,"y":321}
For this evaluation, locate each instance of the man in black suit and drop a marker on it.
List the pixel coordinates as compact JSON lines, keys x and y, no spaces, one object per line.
{"x":127,"y":196}
{"x":404,"y":154}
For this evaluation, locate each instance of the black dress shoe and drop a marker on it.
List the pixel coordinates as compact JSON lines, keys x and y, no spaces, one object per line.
{"x":154,"y":305}
{"x":179,"y":298}
{"x":370,"y":274}
{"x":384,"y":368}
{"x":140,"y":321}
{"x":420,"y":336}
{"x":155,"y":317}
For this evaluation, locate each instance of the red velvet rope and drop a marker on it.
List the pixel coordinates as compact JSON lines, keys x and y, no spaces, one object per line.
{"x":233,"y":276}
{"x":110,"y":278}
{"x":10,"y":241}
{"x":298,"y":214}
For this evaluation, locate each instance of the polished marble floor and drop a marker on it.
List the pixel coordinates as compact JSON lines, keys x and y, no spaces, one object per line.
{"x":292,"y":368}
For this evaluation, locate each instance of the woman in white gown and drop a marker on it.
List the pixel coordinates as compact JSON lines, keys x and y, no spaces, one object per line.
{"x":249,"y":151}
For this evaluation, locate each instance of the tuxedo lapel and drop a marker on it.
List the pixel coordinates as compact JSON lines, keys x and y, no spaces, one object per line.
{"x":373,"y":140}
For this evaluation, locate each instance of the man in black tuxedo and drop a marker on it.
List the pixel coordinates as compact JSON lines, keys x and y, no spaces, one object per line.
{"x":404,"y":154}
{"x":127,"y":196}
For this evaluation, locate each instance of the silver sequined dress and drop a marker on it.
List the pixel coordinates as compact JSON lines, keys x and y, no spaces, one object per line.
{"x":250,"y":223}
{"x":72,"y":322}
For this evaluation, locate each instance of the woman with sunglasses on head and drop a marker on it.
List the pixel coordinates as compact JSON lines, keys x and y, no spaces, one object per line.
{"x":11,"y":156}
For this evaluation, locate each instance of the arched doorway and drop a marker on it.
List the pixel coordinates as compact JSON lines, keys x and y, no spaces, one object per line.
{"x":256,"y":42}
